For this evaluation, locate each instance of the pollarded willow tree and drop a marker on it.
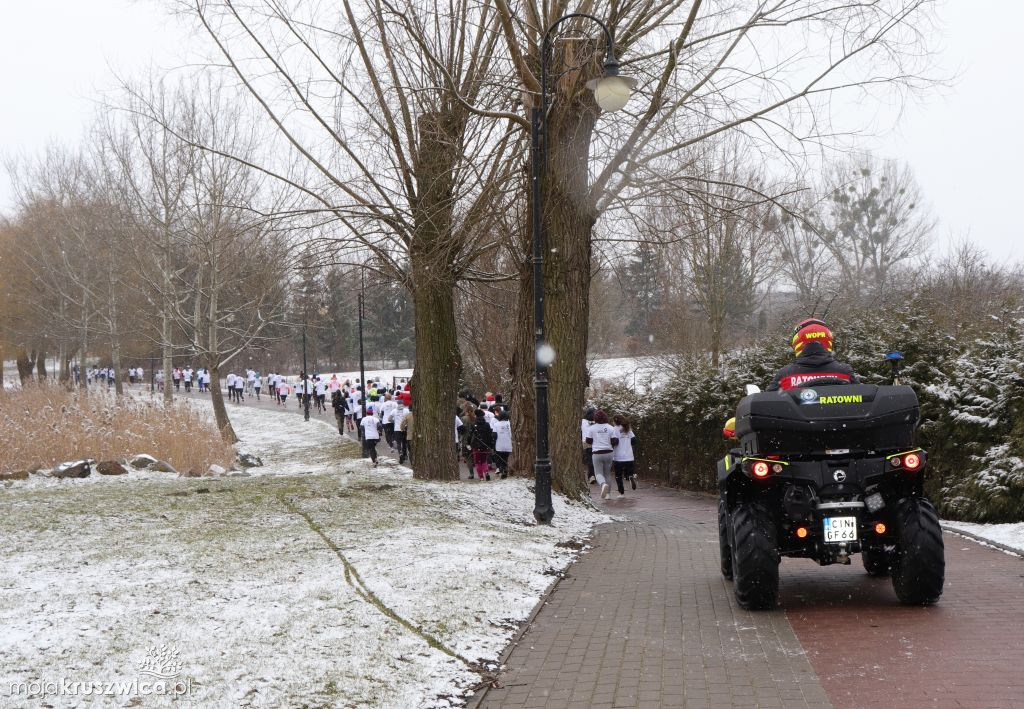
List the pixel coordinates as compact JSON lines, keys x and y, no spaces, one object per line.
{"x":392,"y":112}
{"x":767,"y":71}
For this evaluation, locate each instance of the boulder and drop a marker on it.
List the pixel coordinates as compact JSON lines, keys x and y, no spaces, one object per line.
{"x":248,"y":460}
{"x":217,"y":470}
{"x":110,"y":467}
{"x":142,"y":461}
{"x":162,"y":466}
{"x":191,"y":473}
{"x":73,"y":469}
{"x":15,"y":475}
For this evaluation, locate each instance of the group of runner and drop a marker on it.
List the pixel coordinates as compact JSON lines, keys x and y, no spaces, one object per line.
{"x":483,"y":434}
{"x":185,"y":377}
{"x":608,"y":450}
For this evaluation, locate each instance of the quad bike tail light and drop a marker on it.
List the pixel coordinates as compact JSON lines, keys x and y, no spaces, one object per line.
{"x":911,"y":461}
{"x":801,"y":532}
{"x":879,"y":528}
{"x":761,"y":468}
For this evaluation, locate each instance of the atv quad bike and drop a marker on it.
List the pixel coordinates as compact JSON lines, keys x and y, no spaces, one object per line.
{"x":826,"y":471}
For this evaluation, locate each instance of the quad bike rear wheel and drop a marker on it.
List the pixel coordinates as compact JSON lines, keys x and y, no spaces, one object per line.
{"x":919,"y":562}
{"x":755,"y":556}
{"x":878,"y":560}
{"x":724,"y":550}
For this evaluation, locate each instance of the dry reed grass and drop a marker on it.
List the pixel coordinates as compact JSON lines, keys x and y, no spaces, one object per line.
{"x":46,"y":425}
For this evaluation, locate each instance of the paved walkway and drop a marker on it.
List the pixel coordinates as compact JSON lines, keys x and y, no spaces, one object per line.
{"x":644,"y":619}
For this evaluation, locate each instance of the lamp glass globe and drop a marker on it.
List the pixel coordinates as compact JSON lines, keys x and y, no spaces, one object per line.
{"x":612,"y":93}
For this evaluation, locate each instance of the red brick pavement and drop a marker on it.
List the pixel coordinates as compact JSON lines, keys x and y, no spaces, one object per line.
{"x":682,"y":642}
{"x":870,"y":651}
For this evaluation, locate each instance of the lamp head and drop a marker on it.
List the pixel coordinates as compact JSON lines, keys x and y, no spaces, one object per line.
{"x":612,"y":91}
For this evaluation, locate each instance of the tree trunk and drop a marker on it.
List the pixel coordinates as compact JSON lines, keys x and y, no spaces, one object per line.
{"x":438,"y":360}
{"x":569,"y":216}
{"x":220,"y":413}
{"x":25,"y":365}
{"x":83,"y":342}
{"x":115,"y":362}
{"x":65,"y":366}
{"x":41,"y":366}
{"x":716,"y":343}
{"x":522,"y":401}
{"x":438,"y":366}
{"x":167,"y":364}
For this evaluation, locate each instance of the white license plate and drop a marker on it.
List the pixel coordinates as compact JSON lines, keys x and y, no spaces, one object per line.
{"x":840,"y":529}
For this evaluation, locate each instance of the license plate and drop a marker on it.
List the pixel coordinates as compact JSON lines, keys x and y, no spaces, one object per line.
{"x":840,"y":529}
{"x":837,"y":451}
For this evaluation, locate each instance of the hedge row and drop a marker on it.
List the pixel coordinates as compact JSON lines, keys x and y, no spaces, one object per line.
{"x":971,"y":392}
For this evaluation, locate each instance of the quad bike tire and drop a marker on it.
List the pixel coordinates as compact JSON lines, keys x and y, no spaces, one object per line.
{"x":919,"y":562}
{"x":755,"y":556}
{"x":724,"y":550}
{"x":878,"y":560}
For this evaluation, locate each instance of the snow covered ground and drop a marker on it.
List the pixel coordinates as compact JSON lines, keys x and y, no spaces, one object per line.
{"x":316,"y":581}
{"x":1010,"y":536}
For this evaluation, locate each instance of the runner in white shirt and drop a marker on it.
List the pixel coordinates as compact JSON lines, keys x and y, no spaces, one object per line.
{"x":603,"y":437}
{"x":622,"y":457}
{"x":371,"y":434}
{"x":502,"y":428}
{"x":387,"y":412}
{"x":257,"y":384}
{"x":356,"y":407}
{"x":321,"y":394}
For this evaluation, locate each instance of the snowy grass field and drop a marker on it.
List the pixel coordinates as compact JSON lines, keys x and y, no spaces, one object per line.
{"x":318,"y":580}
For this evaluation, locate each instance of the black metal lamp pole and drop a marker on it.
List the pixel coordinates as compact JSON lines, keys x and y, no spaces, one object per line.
{"x":543,"y":511}
{"x":304,"y":379}
{"x":362,"y":362}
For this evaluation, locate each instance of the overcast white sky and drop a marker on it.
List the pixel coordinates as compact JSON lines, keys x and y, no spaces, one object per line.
{"x":964,"y":143}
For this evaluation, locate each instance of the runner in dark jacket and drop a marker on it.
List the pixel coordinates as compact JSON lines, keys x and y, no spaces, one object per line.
{"x":812,"y":344}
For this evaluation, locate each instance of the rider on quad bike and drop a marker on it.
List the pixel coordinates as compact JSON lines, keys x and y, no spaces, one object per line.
{"x":812,"y":344}
{"x":824,"y":467}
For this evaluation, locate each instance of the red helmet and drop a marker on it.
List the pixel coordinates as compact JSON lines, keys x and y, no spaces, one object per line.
{"x":811,"y":330}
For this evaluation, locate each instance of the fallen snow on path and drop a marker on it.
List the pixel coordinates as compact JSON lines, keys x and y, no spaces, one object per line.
{"x":317,"y":581}
{"x":1010,"y":535}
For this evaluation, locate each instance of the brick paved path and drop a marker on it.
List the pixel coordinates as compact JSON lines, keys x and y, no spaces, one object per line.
{"x":645,"y":619}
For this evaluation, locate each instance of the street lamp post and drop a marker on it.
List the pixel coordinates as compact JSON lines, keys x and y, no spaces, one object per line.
{"x":611,"y":92}
{"x":362,"y":362}
{"x":304,"y":379}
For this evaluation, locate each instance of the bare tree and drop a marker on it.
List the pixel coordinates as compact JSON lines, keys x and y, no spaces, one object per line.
{"x":804,"y":259}
{"x":873,"y":222}
{"x":380,"y":103}
{"x":765,"y":70}
{"x":152,"y":169}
